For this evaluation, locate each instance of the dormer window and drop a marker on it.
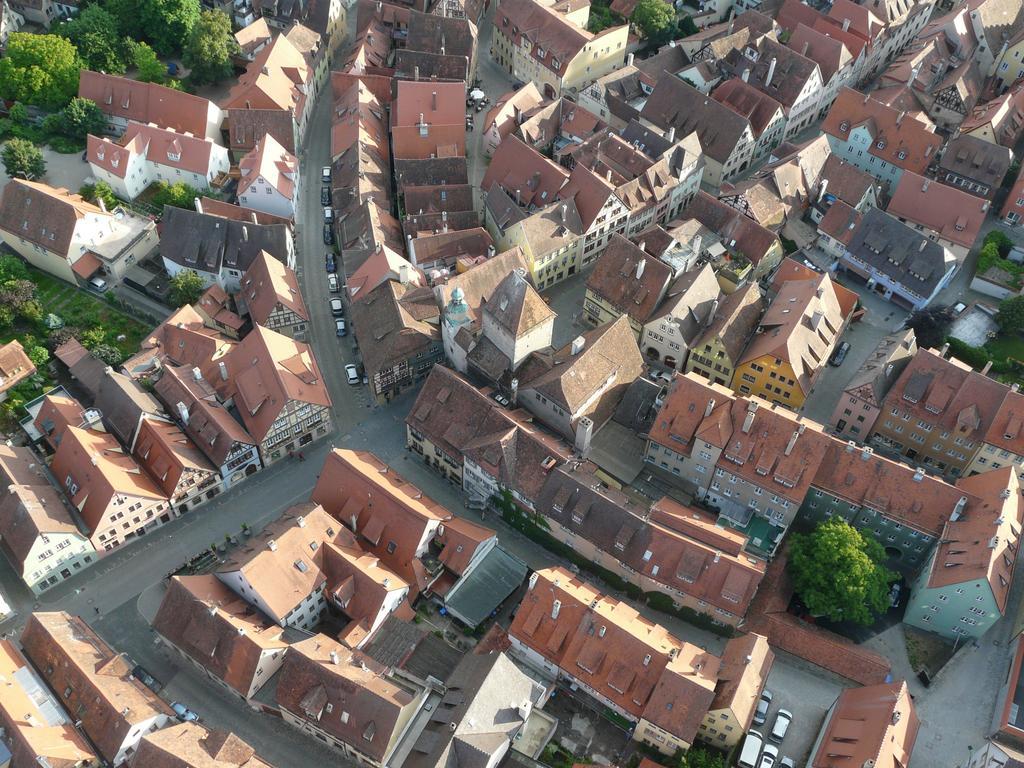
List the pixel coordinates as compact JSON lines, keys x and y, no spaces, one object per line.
{"x":100,"y":153}
{"x":901,"y":155}
{"x":844,"y":126}
{"x":115,"y":161}
{"x":880,"y":144}
{"x":174,"y":157}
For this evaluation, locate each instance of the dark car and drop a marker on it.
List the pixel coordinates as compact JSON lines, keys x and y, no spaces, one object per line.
{"x":328,"y":234}
{"x":140,"y":674}
{"x":330,"y":264}
{"x":840,"y":354}
{"x":325,"y":195}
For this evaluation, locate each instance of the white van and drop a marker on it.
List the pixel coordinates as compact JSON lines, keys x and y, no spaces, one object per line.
{"x":751,"y":750}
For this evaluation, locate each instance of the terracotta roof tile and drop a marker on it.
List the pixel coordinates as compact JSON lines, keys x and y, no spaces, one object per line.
{"x":269,"y":161}
{"x":629,"y":280}
{"x":876,"y":723}
{"x":267,"y":285}
{"x":146,"y":102}
{"x":190,"y":745}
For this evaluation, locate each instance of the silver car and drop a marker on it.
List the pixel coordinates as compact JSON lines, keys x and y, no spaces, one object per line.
{"x":781,"y":726}
{"x":761,"y":714}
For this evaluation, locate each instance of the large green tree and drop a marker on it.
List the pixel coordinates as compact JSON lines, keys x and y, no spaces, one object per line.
{"x":210,"y":48}
{"x":186,"y":288}
{"x":655,"y":20}
{"x":41,"y":70}
{"x":96,"y":34}
{"x":77,"y":120}
{"x":838,"y":572}
{"x":179,"y":194}
{"x":167,"y":24}
{"x":22,"y":159}
{"x":148,"y":65}
{"x":1011,"y":314}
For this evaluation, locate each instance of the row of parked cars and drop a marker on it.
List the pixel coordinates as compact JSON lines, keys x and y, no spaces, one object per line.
{"x":352,"y":372}
{"x":183,"y":713}
{"x":758,"y":752}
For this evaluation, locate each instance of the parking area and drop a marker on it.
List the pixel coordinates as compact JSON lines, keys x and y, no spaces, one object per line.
{"x":67,"y":171}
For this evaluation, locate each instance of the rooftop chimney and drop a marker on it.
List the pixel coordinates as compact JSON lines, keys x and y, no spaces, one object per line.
{"x":182,"y":412}
{"x":792,"y":442}
{"x":197,"y":204}
{"x":555,"y":608}
{"x":748,"y":420}
{"x":272,"y":545}
{"x":746,"y":75}
{"x":416,"y":73}
{"x":709,"y":407}
{"x":245,"y":233}
{"x":433,"y":101}
{"x":944,"y":350}
{"x":564,"y":209}
{"x":101,"y":204}
{"x":918,"y":475}
{"x":629,"y":59}
{"x":640,"y":268}
{"x":985,"y":370}
{"x":865,"y":453}
{"x":334,"y":658}
{"x":671,"y":135}
{"x":771,"y":71}
{"x":223,"y":371}
{"x":846,"y":25}
{"x":577,"y":345}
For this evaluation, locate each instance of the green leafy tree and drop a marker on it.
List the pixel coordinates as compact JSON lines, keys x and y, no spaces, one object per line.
{"x":210,"y":47}
{"x":839,"y":573}
{"x":18,"y":113}
{"x":77,"y":120}
{"x":41,"y":70}
{"x":186,"y":288}
{"x":148,"y":66}
{"x":178,"y":195}
{"x":108,"y":354}
{"x":929,"y":325}
{"x":1000,"y":240}
{"x":96,"y":34}
{"x":687,"y":27}
{"x":1011,"y":314}
{"x":167,"y":24}
{"x":37,"y":353}
{"x":12,"y":268}
{"x":93,"y":337}
{"x":22,"y":159}
{"x":100,"y":191}
{"x":655,"y":20}
{"x":702,"y":757}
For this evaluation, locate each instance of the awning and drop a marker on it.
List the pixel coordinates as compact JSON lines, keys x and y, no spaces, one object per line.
{"x":87,"y":265}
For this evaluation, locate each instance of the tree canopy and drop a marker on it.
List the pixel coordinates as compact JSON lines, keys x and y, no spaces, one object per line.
{"x":148,"y":65}
{"x":96,"y":33}
{"x":210,"y":48}
{"x":179,"y":194}
{"x":838,"y":572}
{"x":167,"y":24}
{"x":22,"y":159}
{"x":1011,"y":314}
{"x":41,"y":70}
{"x":101,"y":190}
{"x":77,"y":120}
{"x":655,"y":20}
{"x":186,"y":288}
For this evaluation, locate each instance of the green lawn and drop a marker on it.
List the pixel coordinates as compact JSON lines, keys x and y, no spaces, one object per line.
{"x":85,"y":311}
{"x":1005,"y":346}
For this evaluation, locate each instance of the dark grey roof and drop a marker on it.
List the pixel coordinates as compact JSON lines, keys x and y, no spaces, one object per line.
{"x":637,"y":410}
{"x":901,"y":253}
{"x":440,"y":34}
{"x":394,"y":642}
{"x":438,"y":170}
{"x":432,"y":657}
{"x":205,"y":242}
{"x":975,"y":159}
{"x":430,"y":65}
{"x":122,"y":403}
{"x":494,"y":579}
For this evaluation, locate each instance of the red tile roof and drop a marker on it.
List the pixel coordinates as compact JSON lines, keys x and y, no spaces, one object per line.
{"x":15,"y":365}
{"x":269,"y":284}
{"x":145,"y":102}
{"x":953,"y":214}
{"x":873,"y":725}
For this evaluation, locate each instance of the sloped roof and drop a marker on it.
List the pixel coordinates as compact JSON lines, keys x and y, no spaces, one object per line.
{"x":270,"y":161}
{"x":950,"y":212}
{"x":629,"y":279}
{"x":268,"y":284}
{"x":145,"y":102}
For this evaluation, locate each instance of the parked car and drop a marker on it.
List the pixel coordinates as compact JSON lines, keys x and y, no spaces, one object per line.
{"x":340,"y":328}
{"x":769,"y":756}
{"x":325,"y":195}
{"x":840,"y":354}
{"x":98,"y":284}
{"x":325,"y":174}
{"x":958,"y":309}
{"x":782,"y":721}
{"x":352,"y":374}
{"x":787,"y":762}
{"x":337,"y":308}
{"x":184,"y":714}
{"x":501,"y":399}
{"x":761,"y":714}
{"x":330,"y":263}
{"x":328,"y":234}
{"x":332,"y":283}
{"x":751,"y":750}
{"x":328,"y":213}
{"x":140,"y":674}
{"x":894,"y":594}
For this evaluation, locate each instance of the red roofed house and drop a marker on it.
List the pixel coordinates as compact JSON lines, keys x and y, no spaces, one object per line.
{"x":428,"y":120}
{"x":220,"y":634}
{"x":15,"y":367}
{"x":58,"y":232}
{"x":270,"y":179}
{"x":946,"y":214}
{"x":146,"y":154}
{"x":270,"y":295}
{"x":176,"y":465}
{"x":765,"y":114}
{"x":276,"y":385}
{"x":879,"y":139}
{"x":124,"y":100}
{"x":94,"y":682}
{"x":872,"y":725}
{"x":567,"y":630}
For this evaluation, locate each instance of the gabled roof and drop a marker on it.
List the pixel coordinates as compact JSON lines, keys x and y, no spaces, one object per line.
{"x":800,"y":327}
{"x":123,"y":404}
{"x":269,"y":284}
{"x":875,"y":723}
{"x":895,"y":138}
{"x":673,"y":103}
{"x":976,"y":159}
{"x":751,"y":239}
{"x":205,"y":620}
{"x":276,"y":79}
{"x":555,"y":41}
{"x":826,"y":51}
{"x":43,"y":215}
{"x":1003,"y":116}
{"x":190,"y":745}
{"x":169,"y":456}
{"x":746,"y":663}
{"x":102,"y":693}
{"x":760,"y":109}
{"x":161,"y":146}
{"x":629,"y":280}
{"x":145,"y":102}
{"x":526,"y":175}
{"x":15,"y":365}
{"x":271,"y":162}
{"x":515,"y":305}
{"x":735,"y":320}
{"x":345,"y":692}
{"x":790,"y":71}
{"x":267,"y":371}
{"x":391,"y":324}
{"x":207,"y":242}
{"x":951,"y":213}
